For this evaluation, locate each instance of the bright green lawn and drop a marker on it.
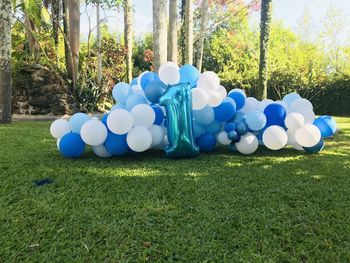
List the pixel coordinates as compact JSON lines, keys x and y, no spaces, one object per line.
{"x":282,"y":206}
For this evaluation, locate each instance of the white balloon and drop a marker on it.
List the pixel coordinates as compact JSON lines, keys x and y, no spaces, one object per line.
{"x":307,"y":113}
{"x":263,"y":104}
{"x":222,"y":91}
{"x":136,"y":89}
{"x":169,"y":73}
{"x":294,"y":121}
{"x":275,"y":137}
{"x":300,"y":103}
{"x":293,"y":142}
{"x":208,"y":81}
{"x":120,"y":121}
{"x":223,"y":139}
{"x":93,"y":132}
{"x":253,"y":101}
{"x":199,"y":99}
{"x":164,"y":144}
{"x":101,"y":151}
{"x":139,"y":139}
{"x":248,"y":144}
{"x":59,"y":128}
{"x":143,"y":115}
{"x":249,"y":106}
{"x":214,"y":99}
{"x":308,"y":135}
{"x":157,"y":135}
{"x":58,"y":144}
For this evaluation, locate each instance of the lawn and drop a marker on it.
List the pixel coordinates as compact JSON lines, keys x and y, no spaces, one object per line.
{"x":283,"y":206}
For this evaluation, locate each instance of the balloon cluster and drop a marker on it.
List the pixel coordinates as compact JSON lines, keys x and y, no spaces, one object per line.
{"x":137,"y":123}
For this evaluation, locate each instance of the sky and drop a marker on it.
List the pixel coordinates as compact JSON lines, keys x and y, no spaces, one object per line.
{"x":287,"y":11}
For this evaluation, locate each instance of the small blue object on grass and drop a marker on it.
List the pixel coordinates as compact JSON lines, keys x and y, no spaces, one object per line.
{"x":42,"y":182}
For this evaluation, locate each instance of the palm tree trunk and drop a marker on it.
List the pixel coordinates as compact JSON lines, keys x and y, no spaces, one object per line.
{"x":159,"y":32}
{"x":56,"y":11}
{"x":204,"y":16}
{"x":5,"y":61}
{"x":189,"y":32}
{"x":172,"y":31}
{"x":182,"y":31}
{"x":128,"y":38}
{"x":67,"y":50}
{"x":74,"y":37}
{"x":98,"y":40}
{"x":266,"y":6}
{"x":34,"y":48}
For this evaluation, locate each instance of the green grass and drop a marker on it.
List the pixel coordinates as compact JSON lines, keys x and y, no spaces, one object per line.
{"x":283,"y":206}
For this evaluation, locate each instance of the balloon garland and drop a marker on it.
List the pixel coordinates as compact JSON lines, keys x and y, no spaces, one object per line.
{"x":185,"y":113}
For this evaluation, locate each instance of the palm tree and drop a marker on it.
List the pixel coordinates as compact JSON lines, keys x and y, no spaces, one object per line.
{"x":159,"y":32}
{"x":266,"y":6}
{"x":189,"y":32}
{"x":5,"y":61}
{"x":98,"y":40}
{"x":204,"y":18}
{"x":128,"y":37}
{"x":172,"y":31}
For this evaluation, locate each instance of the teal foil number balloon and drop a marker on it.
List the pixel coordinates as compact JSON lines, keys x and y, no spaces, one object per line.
{"x":177,"y":100}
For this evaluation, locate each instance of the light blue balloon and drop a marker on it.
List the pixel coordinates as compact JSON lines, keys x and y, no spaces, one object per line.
{"x":134,"y":100}
{"x":255,"y":120}
{"x":239,"y":116}
{"x":198,"y":130}
{"x":189,"y":74}
{"x":204,"y":116}
{"x":77,"y":120}
{"x":117,"y":106}
{"x":213,"y":128}
{"x":120,"y":92}
{"x":289,"y":98}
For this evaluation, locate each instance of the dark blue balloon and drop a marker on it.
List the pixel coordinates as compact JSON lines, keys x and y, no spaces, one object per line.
{"x":154,"y":89}
{"x":116,"y":144}
{"x":147,"y":77}
{"x":239,"y":99}
{"x":159,"y":114}
{"x":71,"y":145}
{"x":104,"y":120}
{"x":233,"y":136}
{"x":225,"y":111}
{"x":230,"y":126}
{"x":327,"y":126}
{"x":275,"y":114}
{"x":206,"y":142}
{"x":315,"y":149}
{"x":233,"y":147}
{"x":189,"y":74}
{"x":241,"y":128}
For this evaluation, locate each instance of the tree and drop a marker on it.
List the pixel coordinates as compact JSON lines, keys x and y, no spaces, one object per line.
{"x":159,"y":32}
{"x":189,"y":32}
{"x":204,"y":15}
{"x":5,"y":61}
{"x":172,"y":31}
{"x":74,"y":37}
{"x":128,"y":37}
{"x":98,"y":44}
{"x":265,"y":21}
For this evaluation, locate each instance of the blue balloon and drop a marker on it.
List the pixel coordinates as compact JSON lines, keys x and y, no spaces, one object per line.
{"x":133,"y":82}
{"x":148,"y":77}
{"x":134,"y":100}
{"x":213,"y":128}
{"x":77,"y":120}
{"x":206,"y":142}
{"x":198,"y":130}
{"x":327,"y":126}
{"x":230,"y":126}
{"x":204,"y":116}
{"x":71,"y":145}
{"x":289,"y":98}
{"x":225,"y":111}
{"x":154,"y":90}
{"x":233,"y":147}
{"x":159,"y":114}
{"x":241,"y":128}
{"x":239,"y":116}
{"x":116,"y":144}
{"x":120,"y":92}
{"x":275,"y":114}
{"x":255,"y":120}
{"x":239,"y":98}
{"x":104,"y":120}
{"x":189,"y":74}
{"x":315,"y":149}
{"x":117,"y":106}
{"x":233,"y":136}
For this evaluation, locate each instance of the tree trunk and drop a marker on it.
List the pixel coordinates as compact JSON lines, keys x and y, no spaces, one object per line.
{"x":266,"y":6}
{"x":204,"y":18}
{"x":5,"y":61}
{"x":172,"y":31}
{"x":56,"y":11}
{"x":67,"y":50}
{"x":34,"y":48}
{"x":189,"y":32}
{"x":182,"y":31}
{"x":128,"y":38}
{"x":98,"y":40}
{"x":74,"y":37}
{"x":159,"y":32}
